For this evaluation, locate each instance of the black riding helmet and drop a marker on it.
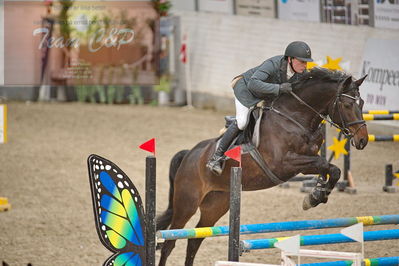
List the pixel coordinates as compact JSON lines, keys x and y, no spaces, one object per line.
{"x":299,"y":50}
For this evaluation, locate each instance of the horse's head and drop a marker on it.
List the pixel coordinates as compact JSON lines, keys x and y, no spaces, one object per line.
{"x":346,"y":111}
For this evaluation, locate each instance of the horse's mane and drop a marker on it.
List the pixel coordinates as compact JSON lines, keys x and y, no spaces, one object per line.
{"x":320,"y":74}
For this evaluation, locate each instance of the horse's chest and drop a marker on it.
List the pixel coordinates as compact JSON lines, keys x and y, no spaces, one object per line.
{"x":310,"y":144}
{"x":309,"y":148}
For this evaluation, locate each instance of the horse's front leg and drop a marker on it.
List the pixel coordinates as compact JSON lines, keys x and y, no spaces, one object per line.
{"x":329,"y":176}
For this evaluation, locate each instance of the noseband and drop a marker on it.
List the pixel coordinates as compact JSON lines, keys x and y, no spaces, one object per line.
{"x":345,"y":125}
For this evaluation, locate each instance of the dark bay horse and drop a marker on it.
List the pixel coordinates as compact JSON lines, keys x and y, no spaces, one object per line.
{"x":290,"y":138}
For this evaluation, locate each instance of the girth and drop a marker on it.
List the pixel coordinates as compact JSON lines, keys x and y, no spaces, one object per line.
{"x":249,"y":147}
{"x":255,"y":154}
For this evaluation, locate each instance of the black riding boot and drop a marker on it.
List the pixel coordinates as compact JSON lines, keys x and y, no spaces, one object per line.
{"x":215,"y":163}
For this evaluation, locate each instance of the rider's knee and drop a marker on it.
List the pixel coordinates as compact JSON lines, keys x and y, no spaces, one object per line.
{"x":241,"y":123}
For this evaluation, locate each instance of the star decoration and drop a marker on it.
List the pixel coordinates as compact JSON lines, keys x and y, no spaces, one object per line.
{"x":338,"y":147}
{"x":333,"y":64}
{"x":311,"y":65}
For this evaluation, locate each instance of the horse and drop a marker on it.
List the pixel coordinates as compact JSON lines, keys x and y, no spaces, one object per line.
{"x":290,"y":138}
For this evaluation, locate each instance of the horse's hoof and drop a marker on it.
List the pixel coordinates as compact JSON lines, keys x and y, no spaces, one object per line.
{"x":310,"y":201}
{"x":306,"y":203}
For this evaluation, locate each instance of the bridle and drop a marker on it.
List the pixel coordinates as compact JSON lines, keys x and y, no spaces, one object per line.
{"x":345,"y":125}
{"x":337,"y":102}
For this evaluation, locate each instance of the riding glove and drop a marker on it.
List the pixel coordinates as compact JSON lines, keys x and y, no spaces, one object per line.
{"x":285,"y":88}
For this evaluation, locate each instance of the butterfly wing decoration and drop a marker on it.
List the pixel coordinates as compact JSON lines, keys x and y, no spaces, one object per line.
{"x":118,"y":212}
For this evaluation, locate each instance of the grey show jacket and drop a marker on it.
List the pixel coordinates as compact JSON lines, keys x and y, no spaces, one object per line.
{"x":263,"y":82}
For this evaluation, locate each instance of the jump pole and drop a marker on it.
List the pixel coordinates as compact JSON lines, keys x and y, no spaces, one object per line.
{"x":369,"y":117}
{"x":347,"y":170}
{"x":389,"y":138}
{"x":381,"y":112}
{"x":235,"y":209}
{"x":384,"y":261}
{"x":150,"y":200}
{"x":389,"y":177}
{"x":247,"y":229}
{"x":248,"y":245}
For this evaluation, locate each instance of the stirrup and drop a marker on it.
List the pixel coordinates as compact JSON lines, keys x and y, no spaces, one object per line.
{"x":215,"y":166}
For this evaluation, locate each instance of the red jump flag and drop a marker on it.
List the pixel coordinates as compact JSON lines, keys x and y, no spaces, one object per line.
{"x":234,"y":154}
{"x":148,"y":146}
{"x":183,"y":50}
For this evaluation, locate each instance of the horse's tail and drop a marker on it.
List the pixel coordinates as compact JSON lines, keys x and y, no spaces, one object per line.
{"x":164,"y":220}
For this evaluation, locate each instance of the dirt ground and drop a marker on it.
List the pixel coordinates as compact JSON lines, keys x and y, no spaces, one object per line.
{"x":44,"y":176}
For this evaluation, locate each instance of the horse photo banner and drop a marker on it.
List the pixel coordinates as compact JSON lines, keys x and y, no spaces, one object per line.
{"x":380,"y":90}
{"x":386,"y":14}
{"x":305,"y":10}
{"x":80,"y":42}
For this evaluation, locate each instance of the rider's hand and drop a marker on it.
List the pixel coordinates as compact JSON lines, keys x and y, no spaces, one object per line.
{"x":285,"y":88}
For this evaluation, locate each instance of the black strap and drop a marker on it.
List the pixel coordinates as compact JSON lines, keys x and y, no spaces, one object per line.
{"x":289,"y":118}
{"x":253,"y":151}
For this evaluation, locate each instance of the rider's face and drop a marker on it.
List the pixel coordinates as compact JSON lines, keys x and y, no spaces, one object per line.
{"x":298,"y":65}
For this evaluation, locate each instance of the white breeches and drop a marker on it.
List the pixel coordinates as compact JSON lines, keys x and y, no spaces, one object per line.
{"x":241,"y":114}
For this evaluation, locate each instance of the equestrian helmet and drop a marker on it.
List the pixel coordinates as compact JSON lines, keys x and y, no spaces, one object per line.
{"x":299,"y":50}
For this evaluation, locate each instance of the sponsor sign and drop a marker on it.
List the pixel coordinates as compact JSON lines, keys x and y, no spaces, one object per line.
{"x":386,"y":14}
{"x":380,"y":62}
{"x":263,"y":8}
{"x":306,"y":10}
{"x":219,"y":6}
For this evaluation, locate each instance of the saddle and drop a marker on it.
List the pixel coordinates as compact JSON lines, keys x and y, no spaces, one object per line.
{"x":251,"y":132}
{"x":249,"y":140}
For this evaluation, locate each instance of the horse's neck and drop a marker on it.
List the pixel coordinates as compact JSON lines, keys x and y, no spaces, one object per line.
{"x":317,"y":98}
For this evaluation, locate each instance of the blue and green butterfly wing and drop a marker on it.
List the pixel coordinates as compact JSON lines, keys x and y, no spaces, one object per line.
{"x":118,"y":212}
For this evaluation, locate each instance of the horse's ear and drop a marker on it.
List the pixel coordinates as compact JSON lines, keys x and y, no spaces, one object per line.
{"x":360,"y":81}
{"x":345,"y":84}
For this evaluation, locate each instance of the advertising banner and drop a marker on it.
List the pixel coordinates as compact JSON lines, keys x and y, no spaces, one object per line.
{"x":263,"y":8}
{"x":305,"y":10}
{"x":219,"y":6}
{"x":80,"y":43}
{"x":380,"y":90}
{"x":386,"y":14}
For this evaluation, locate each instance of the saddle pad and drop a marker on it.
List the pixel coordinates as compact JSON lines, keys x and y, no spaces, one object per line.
{"x":256,"y":133}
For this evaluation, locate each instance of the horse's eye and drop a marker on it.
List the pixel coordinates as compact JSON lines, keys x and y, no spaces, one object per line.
{"x":348,"y":105}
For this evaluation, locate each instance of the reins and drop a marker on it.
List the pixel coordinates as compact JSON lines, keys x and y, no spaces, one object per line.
{"x":326,"y":118}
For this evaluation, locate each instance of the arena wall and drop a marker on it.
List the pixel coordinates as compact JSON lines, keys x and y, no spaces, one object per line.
{"x":223,"y":46}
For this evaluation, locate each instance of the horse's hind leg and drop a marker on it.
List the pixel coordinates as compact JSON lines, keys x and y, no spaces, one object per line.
{"x":213,"y":207}
{"x":185,"y":204}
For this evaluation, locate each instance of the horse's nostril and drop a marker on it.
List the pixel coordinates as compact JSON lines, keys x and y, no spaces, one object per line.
{"x":362,"y":143}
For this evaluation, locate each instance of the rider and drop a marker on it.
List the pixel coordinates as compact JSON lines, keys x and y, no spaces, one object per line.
{"x":266,"y":81}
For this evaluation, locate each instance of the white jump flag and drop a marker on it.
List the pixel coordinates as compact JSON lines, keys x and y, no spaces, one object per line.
{"x":290,"y":245}
{"x":354,"y":232}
